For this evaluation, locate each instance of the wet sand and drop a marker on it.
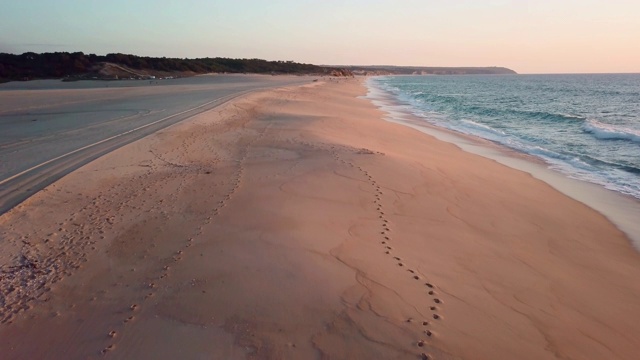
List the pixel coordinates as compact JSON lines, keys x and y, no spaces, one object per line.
{"x":297,"y":224}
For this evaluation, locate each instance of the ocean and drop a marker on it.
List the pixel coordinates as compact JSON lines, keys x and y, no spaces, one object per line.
{"x":586,"y":127}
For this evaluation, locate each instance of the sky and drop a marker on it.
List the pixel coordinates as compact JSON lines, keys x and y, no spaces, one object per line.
{"x":543,"y":36}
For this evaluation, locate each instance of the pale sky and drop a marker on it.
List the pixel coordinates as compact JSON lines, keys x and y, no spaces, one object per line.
{"x":543,"y":36}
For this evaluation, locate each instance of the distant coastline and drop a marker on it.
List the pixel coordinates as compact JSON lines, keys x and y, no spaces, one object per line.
{"x":427,"y":70}
{"x":79,"y":66}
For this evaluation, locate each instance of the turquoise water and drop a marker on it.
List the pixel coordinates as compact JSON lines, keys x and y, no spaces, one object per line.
{"x":585,"y":126}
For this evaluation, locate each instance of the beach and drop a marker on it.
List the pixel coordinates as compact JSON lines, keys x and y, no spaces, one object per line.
{"x":296,"y":223}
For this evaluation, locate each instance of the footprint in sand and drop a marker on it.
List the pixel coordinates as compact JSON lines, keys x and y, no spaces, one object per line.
{"x":107,"y":349}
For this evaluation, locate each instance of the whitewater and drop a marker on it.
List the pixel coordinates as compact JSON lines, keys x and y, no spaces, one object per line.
{"x":586,"y":126}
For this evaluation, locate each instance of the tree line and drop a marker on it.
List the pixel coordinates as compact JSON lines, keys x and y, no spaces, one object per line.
{"x":31,"y":65}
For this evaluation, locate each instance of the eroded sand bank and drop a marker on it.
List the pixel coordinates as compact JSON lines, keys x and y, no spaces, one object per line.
{"x":297,"y":224}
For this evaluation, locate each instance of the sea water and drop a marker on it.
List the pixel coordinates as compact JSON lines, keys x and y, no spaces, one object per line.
{"x":585,"y":126}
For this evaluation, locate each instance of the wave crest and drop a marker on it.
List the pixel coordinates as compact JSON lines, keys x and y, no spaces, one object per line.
{"x":610,"y":132}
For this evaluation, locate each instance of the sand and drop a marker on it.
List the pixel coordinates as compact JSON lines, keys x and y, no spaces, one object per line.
{"x":297,"y":224}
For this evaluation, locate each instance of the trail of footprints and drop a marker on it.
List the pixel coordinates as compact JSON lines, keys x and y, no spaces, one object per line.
{"x":434,"y":302}
{"x":385,"y":236}
{"x":154,"y":284}
{"x":103,"y":221}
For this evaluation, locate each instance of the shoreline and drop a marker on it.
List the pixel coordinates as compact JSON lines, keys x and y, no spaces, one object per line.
{"x":297,"y":223}
{"x":622,"y":210}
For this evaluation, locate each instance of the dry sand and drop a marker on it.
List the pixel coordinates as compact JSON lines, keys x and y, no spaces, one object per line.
{"x":296,"y":224}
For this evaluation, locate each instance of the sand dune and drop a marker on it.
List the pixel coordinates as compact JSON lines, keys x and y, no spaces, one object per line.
{"x":297,"y":224}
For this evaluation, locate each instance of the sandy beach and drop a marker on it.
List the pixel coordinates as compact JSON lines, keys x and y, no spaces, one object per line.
{"x":296,"y":223}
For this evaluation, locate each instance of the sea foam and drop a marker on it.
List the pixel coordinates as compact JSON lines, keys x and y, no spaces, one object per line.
{"x":552,"y":117}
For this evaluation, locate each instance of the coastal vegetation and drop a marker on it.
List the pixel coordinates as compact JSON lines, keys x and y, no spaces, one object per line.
{"x":29,"y":66}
